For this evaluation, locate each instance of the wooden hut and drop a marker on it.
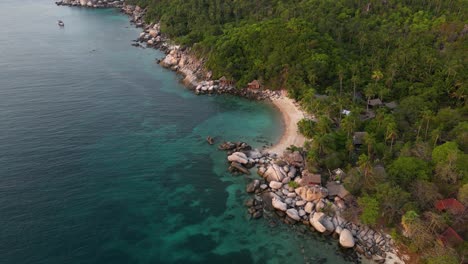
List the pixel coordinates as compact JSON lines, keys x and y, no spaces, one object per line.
{"x":310,"y":179}
{"x":255,"y":84}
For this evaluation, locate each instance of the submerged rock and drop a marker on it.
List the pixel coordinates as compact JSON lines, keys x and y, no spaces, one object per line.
{"x":240,"y":168}
{"x":252,"y":186}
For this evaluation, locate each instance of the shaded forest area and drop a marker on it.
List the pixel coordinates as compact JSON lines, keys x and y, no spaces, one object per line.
{"x":386,"y":82}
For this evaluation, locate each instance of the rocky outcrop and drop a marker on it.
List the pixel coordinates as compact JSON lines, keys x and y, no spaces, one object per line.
{"x":274,"y":173}
{"x":92,"y":3}
{"x":308,"y":204}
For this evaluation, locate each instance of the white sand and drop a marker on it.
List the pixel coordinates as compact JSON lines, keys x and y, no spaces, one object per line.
{"x":291,"y":115}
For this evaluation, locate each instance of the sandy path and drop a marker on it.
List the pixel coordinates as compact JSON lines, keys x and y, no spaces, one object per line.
{"x":291,"y":115}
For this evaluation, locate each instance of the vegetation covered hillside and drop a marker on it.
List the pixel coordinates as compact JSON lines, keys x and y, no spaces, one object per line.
{"x":393,"y":71}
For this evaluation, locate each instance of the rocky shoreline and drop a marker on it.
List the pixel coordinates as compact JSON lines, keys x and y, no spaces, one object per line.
{"x":284,"y":190}
{"x":177,"y":58}
{"x":281,"y":188}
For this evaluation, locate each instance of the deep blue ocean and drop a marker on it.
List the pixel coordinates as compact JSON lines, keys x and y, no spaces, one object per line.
{"x":103,"y":157}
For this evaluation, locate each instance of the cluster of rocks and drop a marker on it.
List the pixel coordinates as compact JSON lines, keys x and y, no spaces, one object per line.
{"x":92,"y":3}
{"x":284,"y":190}
{"x":151,"y":36}
{"x":177,"y":58}
{"x":135,"y":13}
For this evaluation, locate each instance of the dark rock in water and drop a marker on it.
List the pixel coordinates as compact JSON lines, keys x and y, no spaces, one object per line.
{"x":266,"y":197}
{"x":252,"y":186}
{"x":210,"y":140}
{"x":240,"y":168}
{"x":251,"y":210}
{"x":257,"y":214}
{"x":280,"y":213}
{"x":249,"y":202}
{"x":250,"y":165}
{"x":272,"y":223}
{"x":288,"y":220}
{"x":227,"y":146}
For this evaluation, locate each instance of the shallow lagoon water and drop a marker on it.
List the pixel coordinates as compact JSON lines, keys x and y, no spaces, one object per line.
{"x":103,"y":157}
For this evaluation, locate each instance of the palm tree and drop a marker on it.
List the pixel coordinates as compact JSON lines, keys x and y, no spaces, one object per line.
{"x":365,"y":165}
{"x":370,"y":141}
{"x":377,"y":75}
{"x":369,"y":92}
{"x":391,"y":132}
{"x":427,"y":116}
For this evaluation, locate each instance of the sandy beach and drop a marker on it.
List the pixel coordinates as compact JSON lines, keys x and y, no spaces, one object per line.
{"x":291,"y":115}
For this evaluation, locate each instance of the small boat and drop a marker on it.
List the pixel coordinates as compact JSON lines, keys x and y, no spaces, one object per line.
{"x":60,"y":23}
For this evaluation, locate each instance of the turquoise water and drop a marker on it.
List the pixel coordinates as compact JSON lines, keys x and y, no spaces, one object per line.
{"x":103,"y":156}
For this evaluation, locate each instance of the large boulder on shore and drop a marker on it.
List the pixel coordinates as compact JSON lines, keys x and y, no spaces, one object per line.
{"x":238,"y":157}
{"x":294,"y":158}
{"x":276,"y":185}
{"x":328,"y":224}
{"x":169,"y":61}
{"x":83,"y":2}
{"x":315,"y":221}
{"x":274,"y":173}
{"x":311,"y":193}
{"x":309,"y":207}
{"x":153,"y":33}
{"x":278,"y":204}
{"x":293,"y":213}
{"x":346,"y":239}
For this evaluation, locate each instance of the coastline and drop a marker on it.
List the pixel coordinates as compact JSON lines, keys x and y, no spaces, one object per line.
{"x":290,"y":204}
{"x":291,"y":115}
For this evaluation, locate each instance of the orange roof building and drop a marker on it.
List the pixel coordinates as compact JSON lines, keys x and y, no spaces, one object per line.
{"x":255,"y":84}
{"x":451,"y":205}
{"x":450,"y":238}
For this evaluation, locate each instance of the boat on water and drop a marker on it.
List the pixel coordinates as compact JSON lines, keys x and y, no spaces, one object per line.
{"x":60,"y":23}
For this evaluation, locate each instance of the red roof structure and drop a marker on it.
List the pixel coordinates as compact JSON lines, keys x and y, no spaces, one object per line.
{"x":255,"y":84}
{"x":450,"y":238}
{"x":452,"y":205}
